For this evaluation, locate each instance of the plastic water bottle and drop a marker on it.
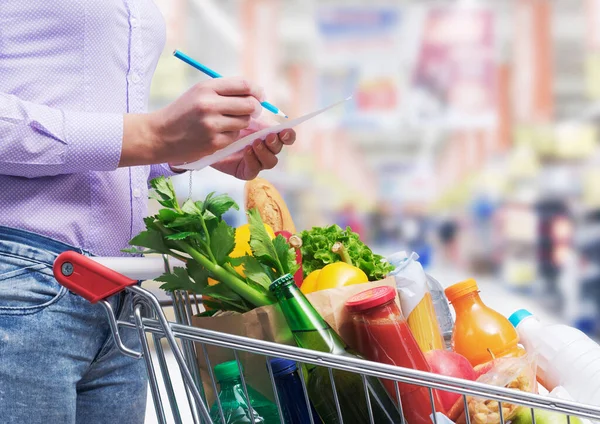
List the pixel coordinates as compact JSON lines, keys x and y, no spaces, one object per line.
{"x":442,"y":310}
{"x":233,"y":403}
{"x":566,"y":356}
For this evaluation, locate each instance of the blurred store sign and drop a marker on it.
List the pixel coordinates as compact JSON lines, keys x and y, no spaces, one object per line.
{"x":455,"y":76}
{"x":358,"y":53}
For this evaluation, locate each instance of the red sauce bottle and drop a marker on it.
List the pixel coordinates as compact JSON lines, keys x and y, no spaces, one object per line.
{"x":382,"y":335}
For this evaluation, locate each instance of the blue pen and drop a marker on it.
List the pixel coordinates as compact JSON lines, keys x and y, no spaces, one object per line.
{"x":213,"y":74}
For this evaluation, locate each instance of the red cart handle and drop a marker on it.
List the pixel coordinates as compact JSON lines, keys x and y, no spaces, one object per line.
{"x":88,"y":278}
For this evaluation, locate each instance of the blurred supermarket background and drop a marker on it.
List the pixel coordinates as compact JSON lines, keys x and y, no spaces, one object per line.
{"x":471,"y":137}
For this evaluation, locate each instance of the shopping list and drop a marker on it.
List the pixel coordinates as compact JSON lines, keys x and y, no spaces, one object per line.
{"x":249,"y":139}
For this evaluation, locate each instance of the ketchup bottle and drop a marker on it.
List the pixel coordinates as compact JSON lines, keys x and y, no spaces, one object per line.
{"x":383,"y":335}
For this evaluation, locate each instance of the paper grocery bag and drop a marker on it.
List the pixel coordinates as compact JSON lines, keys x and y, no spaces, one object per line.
{"x":269,"y":324}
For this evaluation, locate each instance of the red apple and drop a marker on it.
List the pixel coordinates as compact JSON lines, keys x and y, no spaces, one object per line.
{"x":450,"y":364}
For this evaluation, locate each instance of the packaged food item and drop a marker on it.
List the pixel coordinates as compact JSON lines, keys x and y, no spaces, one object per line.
{"x":480,"y":333}
{"x":416,"y":301}
{"x":235,"y":406}
{"x":566,"y":356}
{"x":311,"y":331}
{"x":290,"y":393}
{"x":382,"y":335}
{"x":510,"y":372}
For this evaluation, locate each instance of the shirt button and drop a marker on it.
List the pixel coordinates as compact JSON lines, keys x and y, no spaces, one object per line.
{"x":137,"y":193}
{"x":133,"y":22}
{"x":135,"y":78}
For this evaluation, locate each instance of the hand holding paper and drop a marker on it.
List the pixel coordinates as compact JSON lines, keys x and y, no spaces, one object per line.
{"x":248,"y":138}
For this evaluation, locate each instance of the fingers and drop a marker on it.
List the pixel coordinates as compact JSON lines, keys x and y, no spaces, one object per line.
{"x":251,"y":163}
{"x":237,"y":87}
{"x":239,"y":106}
{"x":226,"y":123}
{"x":266,"y":157}
{"x":288,"y":137}
{"x":273,"y":144}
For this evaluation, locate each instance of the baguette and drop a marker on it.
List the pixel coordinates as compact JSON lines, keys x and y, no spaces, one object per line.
{"x":262,"y":195}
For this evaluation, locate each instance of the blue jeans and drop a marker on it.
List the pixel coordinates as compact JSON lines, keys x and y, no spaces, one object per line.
{"x":58,"y":361}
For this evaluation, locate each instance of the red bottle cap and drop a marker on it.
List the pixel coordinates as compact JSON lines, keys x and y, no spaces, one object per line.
{"x":370,"y":298}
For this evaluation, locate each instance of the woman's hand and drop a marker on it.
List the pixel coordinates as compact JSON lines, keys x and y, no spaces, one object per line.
{"x":206,"y":118}
{"x":247,"y":163}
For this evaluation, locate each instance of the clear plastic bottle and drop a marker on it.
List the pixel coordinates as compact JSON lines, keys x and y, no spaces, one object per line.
{"x":565,"y":356}
{"x":442,"y":310}
{"x":234,"y":403}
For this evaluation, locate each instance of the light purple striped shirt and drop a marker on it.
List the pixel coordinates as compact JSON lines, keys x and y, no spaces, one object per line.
{"x":69,"y":70}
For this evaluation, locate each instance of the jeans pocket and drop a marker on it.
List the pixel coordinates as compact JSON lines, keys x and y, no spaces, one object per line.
{"x":26,"y":286}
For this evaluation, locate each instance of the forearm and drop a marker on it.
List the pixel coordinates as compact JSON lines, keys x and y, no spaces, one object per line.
{"x":37,"y":140}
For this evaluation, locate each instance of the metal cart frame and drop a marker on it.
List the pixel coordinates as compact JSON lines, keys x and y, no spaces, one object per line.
{"x":95,"y":282}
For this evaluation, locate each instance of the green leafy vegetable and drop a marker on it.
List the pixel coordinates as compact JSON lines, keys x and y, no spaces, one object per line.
{"x":196,"y":233}
{"x":316,"y":251}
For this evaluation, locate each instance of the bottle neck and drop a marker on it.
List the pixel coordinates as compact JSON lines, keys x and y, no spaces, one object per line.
{"x":310,"y":330}
{"x":298,"y":311}
{"x":229,"y":382}
{"x":468,"y":301}
{"x":528,"y":328}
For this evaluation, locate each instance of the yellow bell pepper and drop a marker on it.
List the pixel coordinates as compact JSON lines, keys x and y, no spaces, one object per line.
{"x":337,"y":274}
{"x":242,"y":248}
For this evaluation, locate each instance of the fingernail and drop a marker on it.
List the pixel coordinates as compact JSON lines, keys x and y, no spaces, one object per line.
{"x":273,"y":141}
{"x":285,"y":137}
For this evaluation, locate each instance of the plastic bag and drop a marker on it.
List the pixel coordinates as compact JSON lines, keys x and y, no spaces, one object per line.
{"x":512,"y":373}
{"x":416,"y":301}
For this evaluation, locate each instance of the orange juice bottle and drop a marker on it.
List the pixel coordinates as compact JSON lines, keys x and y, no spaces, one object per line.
{"x":480,"y":333}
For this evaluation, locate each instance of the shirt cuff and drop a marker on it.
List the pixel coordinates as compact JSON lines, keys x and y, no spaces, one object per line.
{"x":94,"y":141}
{"x":164,"y":170}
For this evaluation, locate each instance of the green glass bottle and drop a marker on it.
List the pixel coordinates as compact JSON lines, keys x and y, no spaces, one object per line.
{"x":234,"y":403}
{"x":312,"y":332}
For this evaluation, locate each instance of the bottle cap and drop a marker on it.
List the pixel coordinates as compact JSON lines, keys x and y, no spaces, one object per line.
{"x":281,"y":281}
{"x":281,"y":366}
{"x":518,"y":316}
{"x":370,"y":298}
{"x":460,"y":289}
{"x":227,"y":371}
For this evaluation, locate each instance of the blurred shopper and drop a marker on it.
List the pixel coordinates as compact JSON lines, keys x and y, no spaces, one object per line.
{"x":77,"y":147}
{"x":384,"y":227}
{"x":349,"y":217}
{"x":448,"y":230}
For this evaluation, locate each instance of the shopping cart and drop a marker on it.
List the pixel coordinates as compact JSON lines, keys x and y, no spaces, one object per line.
{"x":96,"y":282}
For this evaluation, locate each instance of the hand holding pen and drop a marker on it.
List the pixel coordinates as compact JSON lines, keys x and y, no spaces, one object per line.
{"x":208,"y":117}
{"x":206,"y":70}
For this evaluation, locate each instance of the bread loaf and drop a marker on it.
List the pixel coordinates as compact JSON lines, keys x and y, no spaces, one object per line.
{"x":261,"y":195}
